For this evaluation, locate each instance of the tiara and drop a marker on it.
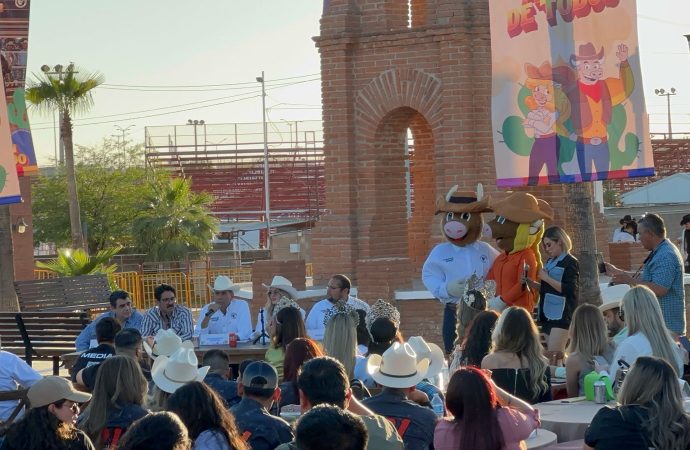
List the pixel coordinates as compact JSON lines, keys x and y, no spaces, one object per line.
{"x":341,"y":308}
{"x":382,"y":310}
{"x":478,"y":291}
{"x":284,"y":302}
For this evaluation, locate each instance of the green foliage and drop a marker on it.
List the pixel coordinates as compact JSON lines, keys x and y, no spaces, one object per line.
{"x":174,"y":221}
{"x":74,"y":262}
{"x":111,"y":181}
{"x":70,"y":94}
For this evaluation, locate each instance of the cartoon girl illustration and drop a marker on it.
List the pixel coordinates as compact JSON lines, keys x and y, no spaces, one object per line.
{"x":549,"y":109}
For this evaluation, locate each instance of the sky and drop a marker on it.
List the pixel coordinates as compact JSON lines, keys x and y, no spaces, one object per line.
{"x":221,"y":46}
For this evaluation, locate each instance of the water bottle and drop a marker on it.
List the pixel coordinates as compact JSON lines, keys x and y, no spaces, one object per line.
{"x":437,"y":405}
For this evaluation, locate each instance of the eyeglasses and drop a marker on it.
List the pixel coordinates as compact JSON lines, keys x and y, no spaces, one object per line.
{"x":621,"y":314}
{"x":168,"y":299}
{"x":73,"y":406}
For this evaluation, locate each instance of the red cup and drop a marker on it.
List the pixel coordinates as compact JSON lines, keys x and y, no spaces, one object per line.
{"x":232,"y":340}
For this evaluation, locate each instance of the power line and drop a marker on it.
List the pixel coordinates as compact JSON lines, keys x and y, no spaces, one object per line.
{"x":273,"y":83}
{"x":206,"y":85}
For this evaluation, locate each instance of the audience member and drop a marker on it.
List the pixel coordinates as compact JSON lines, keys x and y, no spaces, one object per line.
{"x":437,"y":361}
{"x":121,"y":310}
{"x":495,"y":420}
{"x":171,"y":373}
{"x":323,"y":381}
{"x":167,"y":315}
{"x":210,"y":425}
{"x":49,"y":423}
{"x":328,"y":427}
{"x":627,"y":232}
{"x":117,"y":401}
{"x":259,"y":389}
{"x":558,"y":287}
{"x":297,"y":353}
{"x":106,"y":329}
{"x":647,"y":334}
{"x":157,"y":431}
{"x":165,"y":342}
{"x":338,"y":290}
{"x":685,"y":241}
{"x":662,"y":272}
{"x":516,"y":363}
{"x":610,"y":308}
{"x":589,"y":348}
{"x":477,"y":344}
{"x":226,"y":314}
{"x":14,"y":373}
{"x":340,"y":338}
{"x":650,"y":413}
{"x":363,"y":337}
{"x":398,"y":371}
{"x":218,"y":376}
{"x":382,"y":321}
{"x":287,"y":324}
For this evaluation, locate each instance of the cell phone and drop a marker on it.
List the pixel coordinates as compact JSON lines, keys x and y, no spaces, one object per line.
{"x":600,"y":263}
{"x":623,"y":363}
{"x":685,"y":342}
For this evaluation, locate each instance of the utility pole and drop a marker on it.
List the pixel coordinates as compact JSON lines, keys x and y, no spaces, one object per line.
{"x":124,"y":140}
{"x":663,"y":93}
{"x":267,"y":196}
{"x":59,"y":71}
{"x":196,"y":123}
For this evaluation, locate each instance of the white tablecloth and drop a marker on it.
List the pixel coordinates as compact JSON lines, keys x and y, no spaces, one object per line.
{"x":542,"y":440}
{"x":568,"y":420}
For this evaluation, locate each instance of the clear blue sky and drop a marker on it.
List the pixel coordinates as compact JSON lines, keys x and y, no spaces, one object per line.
{"x":175,"y":42}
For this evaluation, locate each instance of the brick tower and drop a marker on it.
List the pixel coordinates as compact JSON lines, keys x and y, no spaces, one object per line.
{"x":386,"y":70}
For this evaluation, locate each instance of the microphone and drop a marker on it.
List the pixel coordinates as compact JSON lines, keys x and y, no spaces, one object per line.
{"x":525,"y":272}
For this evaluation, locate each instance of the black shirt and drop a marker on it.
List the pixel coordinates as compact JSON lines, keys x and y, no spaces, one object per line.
{"x":616,"y":428}
{"x":80,"y":442}
{"x":516,"y":382}
{"x":92,"y":357}
{"x":264,"y":431}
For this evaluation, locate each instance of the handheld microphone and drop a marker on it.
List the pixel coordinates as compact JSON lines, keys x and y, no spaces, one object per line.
{"x":525,"y":272}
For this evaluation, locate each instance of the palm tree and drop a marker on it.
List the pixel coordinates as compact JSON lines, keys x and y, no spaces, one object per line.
{"x":8,"y":297}
{"x":174,"y":221}
{"x":69,"y":93}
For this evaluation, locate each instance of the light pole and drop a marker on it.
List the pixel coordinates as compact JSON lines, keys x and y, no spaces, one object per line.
{"x":267,"y":197}
{"x":195,"y":123}
{"x":124,"y":136}
{"x":687,"y":37}
{"x":663,"y":93}
{"x":59,"y":71}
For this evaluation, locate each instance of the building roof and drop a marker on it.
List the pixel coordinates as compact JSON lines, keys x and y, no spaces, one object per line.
{"x":671,"y":189}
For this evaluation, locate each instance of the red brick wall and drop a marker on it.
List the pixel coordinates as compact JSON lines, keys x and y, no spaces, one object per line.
{"x":627,"y":255}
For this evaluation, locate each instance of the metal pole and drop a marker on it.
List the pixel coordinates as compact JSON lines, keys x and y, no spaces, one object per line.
{"x":668,"y":110}
{"x":267,"y":196}
{"x":55,"y":139}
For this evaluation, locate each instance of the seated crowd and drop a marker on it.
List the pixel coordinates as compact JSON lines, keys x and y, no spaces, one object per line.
{"x":350,"y":379}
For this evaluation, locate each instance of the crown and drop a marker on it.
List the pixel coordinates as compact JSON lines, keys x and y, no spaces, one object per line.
{"x":382,"y":310}
{"x":341,"y":308}
{"x":478,"y":291}
{"x":284,"y":302}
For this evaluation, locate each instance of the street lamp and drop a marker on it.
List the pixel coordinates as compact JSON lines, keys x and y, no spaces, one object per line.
{"x":687,"y":37}
{"x":58,"y":70}
{"x":124,"y":134}
{"x":195,"y":123}
{"x":267,"y":197}
{"x":664,"y":93}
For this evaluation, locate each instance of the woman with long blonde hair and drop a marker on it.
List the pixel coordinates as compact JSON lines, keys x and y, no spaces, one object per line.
{"x":588,"y":346}
{"x":650,"y":414}
{"x":516,"y":361}
{"x":647,"y":333}
{"x":340,"y":338}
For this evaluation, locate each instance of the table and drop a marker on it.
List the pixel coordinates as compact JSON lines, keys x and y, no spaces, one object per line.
{"x":236,"y":354}
{"x":542,"y":440}
{"x":568,"y":420}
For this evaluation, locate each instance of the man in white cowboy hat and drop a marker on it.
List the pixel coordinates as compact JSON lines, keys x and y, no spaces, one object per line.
{"x":610,"y":308}
{"x":338,"y":290}
{"x":437,"y":360}
{"x":399,"y":371}
{"x":226,"y":314}
{"x":167,"y":314}
{"x":170,"y":373}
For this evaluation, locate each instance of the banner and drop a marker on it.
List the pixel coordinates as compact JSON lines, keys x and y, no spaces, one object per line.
{"x":9,"y":183}
{"x":567,"y":102}
{"x":14,"y":43}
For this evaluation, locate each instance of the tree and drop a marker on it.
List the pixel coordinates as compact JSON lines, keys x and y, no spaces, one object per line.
{"x":580,"y":218}
{"x":111,"y":181}
{"x":174,"y":221}
{"x":71,"y":263}
{"x":8,"y":297}
{"x":69,"y":93}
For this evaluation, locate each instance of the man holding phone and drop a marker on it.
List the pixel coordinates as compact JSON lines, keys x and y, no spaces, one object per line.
{"x":226,"y":314}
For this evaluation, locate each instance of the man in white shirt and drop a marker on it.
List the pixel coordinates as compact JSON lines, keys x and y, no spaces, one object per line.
{"x":227,"y":314}
{"x":338,"y":289}
{"x":14,"y":372}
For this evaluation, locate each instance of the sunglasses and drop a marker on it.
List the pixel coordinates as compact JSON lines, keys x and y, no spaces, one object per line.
{"x":621,"y":314}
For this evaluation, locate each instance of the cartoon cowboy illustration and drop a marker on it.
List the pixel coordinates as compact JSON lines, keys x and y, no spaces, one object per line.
{"x":592,"y":99}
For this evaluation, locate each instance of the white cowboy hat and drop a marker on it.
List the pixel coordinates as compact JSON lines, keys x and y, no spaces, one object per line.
{"x":611,"y":296}
{"x":164,"y":343}
{"x":171,"y":372}
{"x":283,"y":284}
{"x":224,"y":283}
{"x":397,"y":367}
{"x":430,"y":351}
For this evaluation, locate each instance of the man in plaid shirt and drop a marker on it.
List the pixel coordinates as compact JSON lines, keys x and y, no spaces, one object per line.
{"x":167,"y":314}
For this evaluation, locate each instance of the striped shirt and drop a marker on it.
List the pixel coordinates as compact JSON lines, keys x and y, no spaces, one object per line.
{"x":180,"y":322}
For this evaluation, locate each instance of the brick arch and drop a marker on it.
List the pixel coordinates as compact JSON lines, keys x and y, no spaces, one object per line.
{"x":397,"y":88}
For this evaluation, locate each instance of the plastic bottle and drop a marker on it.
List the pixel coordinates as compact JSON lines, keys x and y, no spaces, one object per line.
{"x":437,"y":405}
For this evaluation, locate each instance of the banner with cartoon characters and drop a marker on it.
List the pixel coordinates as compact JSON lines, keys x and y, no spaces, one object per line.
{"x":14,"y":44}
{"x":9,"y":182}
{"x":567,"y":99}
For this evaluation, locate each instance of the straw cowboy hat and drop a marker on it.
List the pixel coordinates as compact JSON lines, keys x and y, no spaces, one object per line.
{"x":586,"y":52}
{"x":224,"y":283}
{"x":543,"y":72}
{"x":397,"y":367}
{"x":172,"y":372}
{"x":283,"y":284}
{"x":430,"y":351}
{"x":164,"y":343}
{"x":611,"y":296}
{"x":521,"y":207}
{"x":463,"y":201}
